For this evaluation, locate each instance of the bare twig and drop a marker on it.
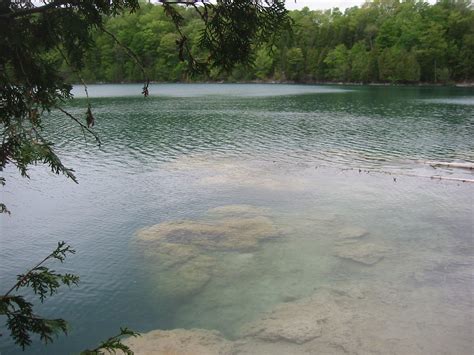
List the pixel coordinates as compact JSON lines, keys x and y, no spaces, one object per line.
{"x":176,"y":18}
{"x":76,"y":71}
{"x":132,"y":55}
{"x":82,"y":125}
{"x":90,"y":117}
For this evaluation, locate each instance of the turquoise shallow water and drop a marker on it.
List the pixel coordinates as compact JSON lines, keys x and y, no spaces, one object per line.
{"x":314,"y":159}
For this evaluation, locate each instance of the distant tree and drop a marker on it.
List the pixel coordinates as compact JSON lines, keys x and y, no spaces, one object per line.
{"x":465,"y":70}
{"x":440,"y":35}
{"x":360,"y":63}
{"x":431,"y":51}
{"x":408,"y":68}
{"x":398,"y":65}
{"x":338,"y":63}
{"x":294,"y":63}
{"x":263,"y":64}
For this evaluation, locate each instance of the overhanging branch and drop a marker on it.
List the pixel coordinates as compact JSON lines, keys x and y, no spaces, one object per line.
{"x":36,"y":10}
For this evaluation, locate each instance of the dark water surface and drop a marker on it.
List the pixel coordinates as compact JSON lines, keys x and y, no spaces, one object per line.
{"x":311,"y":160}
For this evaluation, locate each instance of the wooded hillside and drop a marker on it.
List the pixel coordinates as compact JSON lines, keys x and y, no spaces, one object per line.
{"x":381,"y":41}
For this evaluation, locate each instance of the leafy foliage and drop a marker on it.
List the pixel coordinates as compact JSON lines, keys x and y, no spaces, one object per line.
{"x":22,"y":321}
{"x":231,"y":32}
{"x":234,"y":28}
{"x":363,"y":44}
{"x":20,"y":317}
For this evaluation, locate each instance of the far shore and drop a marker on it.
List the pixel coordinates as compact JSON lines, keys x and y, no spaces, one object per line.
{"x":291,"y":82}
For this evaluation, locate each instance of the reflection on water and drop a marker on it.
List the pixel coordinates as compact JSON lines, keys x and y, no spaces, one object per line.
{"x":229,"y":212}
{"x":205,"y":90}
{"x":468,"y":100}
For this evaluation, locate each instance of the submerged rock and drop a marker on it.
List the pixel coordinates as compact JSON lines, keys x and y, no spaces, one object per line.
{"x":349,"y":233}
{"x":180,"y":342}
{"x":360,"y":317}
{"x":227,"y":234}
{"x":182,"y":252}
{"x":372,"y":318}
{"x":238,"y":210}
{"x":366,"y":253}
{"x":186,"y":280}
{"x":299,"y":322}
{"x":298,"y":329}
{"x":170,"y":255}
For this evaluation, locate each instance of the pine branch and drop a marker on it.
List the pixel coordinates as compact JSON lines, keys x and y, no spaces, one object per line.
{"x":37,"y":9}
{"x":20,"y":317}
{"x":59,"y":253}
{"x":113,"y":343}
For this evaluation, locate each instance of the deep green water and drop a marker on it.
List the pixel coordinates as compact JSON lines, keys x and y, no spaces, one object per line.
{"x":315,"y":158}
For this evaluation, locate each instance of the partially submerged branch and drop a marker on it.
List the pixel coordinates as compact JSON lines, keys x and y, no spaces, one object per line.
{"x":397,"y":174}
{"x":441,"y":164}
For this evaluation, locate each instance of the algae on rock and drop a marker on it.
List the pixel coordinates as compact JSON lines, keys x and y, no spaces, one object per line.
{"x":184,"y":251}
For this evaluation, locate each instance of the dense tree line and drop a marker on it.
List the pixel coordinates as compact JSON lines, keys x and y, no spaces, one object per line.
{"x":381,"y":41}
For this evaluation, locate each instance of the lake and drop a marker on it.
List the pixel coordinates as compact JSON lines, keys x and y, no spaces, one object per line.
{"x":291,"y":218}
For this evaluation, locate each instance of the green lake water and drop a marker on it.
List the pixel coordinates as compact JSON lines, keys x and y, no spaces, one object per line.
{"x":303,"y":164}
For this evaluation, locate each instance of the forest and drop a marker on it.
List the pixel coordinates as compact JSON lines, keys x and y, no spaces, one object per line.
{"x":384,"y":41}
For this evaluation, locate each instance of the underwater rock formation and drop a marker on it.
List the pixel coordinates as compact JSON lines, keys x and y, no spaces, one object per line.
{"x":237,"y":172}
{"x":227,"y":234}
{"x":354,"y":318}
{"x":239,"y":210}
{"x":180,"y":342}
{"x":299,"y":322}
{"x":187,"y":279}
{"x":348,"y":233}
{"x":351,"y":244}
{"x":366,"y":253}
{"x":286,"y":323}
{"x":183,"y":251}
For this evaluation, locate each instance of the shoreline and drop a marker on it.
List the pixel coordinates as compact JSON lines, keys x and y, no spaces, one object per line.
{"x":290,"y":82}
